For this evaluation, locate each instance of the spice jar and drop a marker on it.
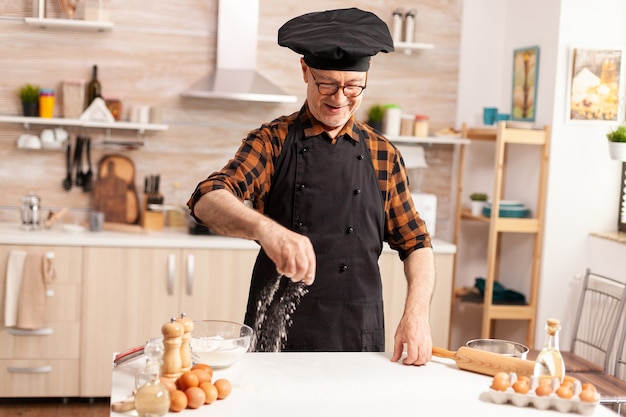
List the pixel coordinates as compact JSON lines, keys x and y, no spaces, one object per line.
{"x":46,"y":103}
{"x":420,"y":127}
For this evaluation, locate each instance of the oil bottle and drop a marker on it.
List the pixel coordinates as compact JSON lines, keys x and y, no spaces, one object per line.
{"x":152,"y":398}
{"x":550,"y":361}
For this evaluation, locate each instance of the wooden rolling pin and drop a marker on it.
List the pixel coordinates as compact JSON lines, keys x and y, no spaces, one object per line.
{"x":486,"y":363}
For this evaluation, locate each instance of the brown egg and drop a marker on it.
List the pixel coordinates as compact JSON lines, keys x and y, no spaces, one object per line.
{"x":524,"y":378}
{"x":195,"y":397}
{"x":501,"y":381}
{"x":564,"y":391}
{"x":588,"y":385}
{"x":543,"y":390}
{"x":178,"y":401}
{"x":521,"y":386}
{"x":203,"y":376}
{"x":169,"y":383}
{"x":209,"y":391}
{"x":224,"y":387}
{"x":188,"y":379}
{"x":588,"y":395}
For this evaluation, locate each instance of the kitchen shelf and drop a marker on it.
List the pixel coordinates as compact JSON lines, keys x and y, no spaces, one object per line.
{"x":409,"y":47}
{"x":70,"y":24}
{"x":495,"y":226}
{"x":60,"y":121}
{"x":444,"y":140}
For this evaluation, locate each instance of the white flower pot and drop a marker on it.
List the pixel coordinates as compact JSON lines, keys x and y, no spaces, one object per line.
{"x":477,"y":207}
{"x":617,"y":150}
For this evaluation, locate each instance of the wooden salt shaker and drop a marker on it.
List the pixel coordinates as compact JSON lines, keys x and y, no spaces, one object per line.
{"x":172,"y":339}
{"x":185,"y":352}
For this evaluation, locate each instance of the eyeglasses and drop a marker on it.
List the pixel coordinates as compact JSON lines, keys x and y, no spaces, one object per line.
{"x":351,"y":91}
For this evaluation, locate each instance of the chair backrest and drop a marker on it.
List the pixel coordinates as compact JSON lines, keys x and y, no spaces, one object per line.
{"x":598,"y":316}
{"x":619,"y":370}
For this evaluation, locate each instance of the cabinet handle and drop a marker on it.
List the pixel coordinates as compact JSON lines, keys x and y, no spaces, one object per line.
{"x":36,"y":332}
{"x":191,"y":266}
{"x":33,"y":370}
{"x":171,"y":272}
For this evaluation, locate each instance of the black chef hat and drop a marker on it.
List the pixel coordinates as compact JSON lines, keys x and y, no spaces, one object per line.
{"x":343,"y":39}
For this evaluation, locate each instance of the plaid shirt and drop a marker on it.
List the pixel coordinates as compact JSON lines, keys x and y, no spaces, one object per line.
{"x":249,"y":175}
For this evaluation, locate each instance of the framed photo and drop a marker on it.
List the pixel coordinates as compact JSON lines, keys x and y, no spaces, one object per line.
{"x":525,"y":73}
{"x":594,"y":85}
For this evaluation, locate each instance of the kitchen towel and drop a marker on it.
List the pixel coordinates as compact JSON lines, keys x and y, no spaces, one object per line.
{"x":38,"y":273}
{"x":15,"y":269}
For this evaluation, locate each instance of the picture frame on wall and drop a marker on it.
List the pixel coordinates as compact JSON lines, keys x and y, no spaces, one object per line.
{"x":594,"y":85}
{"x":525,"y":77}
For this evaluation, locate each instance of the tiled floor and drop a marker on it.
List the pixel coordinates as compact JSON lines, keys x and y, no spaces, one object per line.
{"x":54,"y":407}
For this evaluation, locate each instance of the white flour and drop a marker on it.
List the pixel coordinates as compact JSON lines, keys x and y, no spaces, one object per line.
{"x":274,"y":315}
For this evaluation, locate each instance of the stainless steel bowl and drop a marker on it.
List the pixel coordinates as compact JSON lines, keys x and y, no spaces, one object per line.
{"x":503,"y":347}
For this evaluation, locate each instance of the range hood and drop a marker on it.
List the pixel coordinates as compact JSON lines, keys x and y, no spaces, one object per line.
{"x":235,"y":76}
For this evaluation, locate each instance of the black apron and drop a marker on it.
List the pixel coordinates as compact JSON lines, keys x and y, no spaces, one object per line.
{"x":329,"y":193}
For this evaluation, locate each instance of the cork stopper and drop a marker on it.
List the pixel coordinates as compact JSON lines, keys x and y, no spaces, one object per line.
{"x":553,"y":326}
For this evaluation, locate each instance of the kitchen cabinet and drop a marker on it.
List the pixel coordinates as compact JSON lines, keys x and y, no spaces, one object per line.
{"x":130,"y":293}
{"x":45,"y":362}
{"x":394,"y":296}
{"x":498,"y":226}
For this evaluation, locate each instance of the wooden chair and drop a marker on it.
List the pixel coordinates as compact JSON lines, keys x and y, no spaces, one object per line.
{"x":595,"y":327}
{"x":612,"y":386}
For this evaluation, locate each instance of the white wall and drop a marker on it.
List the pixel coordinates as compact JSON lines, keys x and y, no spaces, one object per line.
{"x":583,"y":180}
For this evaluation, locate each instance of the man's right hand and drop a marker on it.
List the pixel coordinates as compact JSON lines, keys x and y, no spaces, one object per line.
{"x":292,"y":252}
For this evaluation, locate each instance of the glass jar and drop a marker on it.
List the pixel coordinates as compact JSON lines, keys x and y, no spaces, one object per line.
{"x":46,"y":103}
{"x":30,"y":211}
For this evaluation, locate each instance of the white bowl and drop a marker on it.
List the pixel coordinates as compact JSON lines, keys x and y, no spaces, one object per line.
{"x":219,"y":343}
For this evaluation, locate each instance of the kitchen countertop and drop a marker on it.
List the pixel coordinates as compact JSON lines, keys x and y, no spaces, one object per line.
{"x":12,"y":234}
{"x":344,"y":384}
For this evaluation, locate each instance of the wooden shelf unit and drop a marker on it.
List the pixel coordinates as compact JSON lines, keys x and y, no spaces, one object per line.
{"x":502,"y":137}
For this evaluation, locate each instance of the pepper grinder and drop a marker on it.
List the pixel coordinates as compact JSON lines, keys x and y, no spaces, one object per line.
{"x":172,"y":339}
{"x":185,"y":352}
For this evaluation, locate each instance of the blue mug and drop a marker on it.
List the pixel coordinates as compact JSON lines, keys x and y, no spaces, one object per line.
{"x":489,"y":115}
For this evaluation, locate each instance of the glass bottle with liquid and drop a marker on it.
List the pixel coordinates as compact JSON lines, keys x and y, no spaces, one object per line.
{"x":549,"y":361}
{"x":94,"y":88}
{"x":152,"y":398}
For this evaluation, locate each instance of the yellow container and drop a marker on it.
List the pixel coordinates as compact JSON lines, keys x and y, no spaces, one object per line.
{"x":46,"y":103}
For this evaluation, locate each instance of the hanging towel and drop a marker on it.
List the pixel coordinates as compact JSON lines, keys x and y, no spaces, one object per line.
{"x":15,"y":268}
{"x":31,"y":308}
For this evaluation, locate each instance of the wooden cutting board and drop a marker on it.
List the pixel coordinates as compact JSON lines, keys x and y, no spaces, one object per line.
{"x":115,"y":193}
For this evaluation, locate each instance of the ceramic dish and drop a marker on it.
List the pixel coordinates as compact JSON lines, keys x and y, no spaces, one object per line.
{"x":508,"y":211}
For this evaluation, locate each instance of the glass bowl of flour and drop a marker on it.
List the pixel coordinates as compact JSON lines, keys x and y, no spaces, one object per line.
{"x":219,"y":343}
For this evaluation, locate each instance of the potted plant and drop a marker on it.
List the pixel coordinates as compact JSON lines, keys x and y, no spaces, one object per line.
{"x":478,"y":201}
{"x":617,"y":143}
{"x":375,"y":117}
{"x":29,"y":95}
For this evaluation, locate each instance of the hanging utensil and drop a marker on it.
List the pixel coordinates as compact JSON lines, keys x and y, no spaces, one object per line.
{"x":88,"y":176}
{"x":67,"y":182}
{"x":78,"y":152}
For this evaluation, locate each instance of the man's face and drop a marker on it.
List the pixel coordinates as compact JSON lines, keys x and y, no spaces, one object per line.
{"x":333,"y":110}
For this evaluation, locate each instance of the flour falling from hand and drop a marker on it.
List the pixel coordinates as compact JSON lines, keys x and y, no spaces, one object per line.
{"x":274,"y":310}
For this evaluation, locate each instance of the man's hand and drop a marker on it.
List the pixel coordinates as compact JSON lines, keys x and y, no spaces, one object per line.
{"x":292,"y":252}
{"x":415,"y":334}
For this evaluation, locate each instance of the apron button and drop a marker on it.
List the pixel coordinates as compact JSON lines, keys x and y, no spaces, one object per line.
{"x":349,"y":230}
{"x":360,"y":157}
{"x":301,"y":187}
{"x":343,"y":268}
{"x":357,"y":191}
